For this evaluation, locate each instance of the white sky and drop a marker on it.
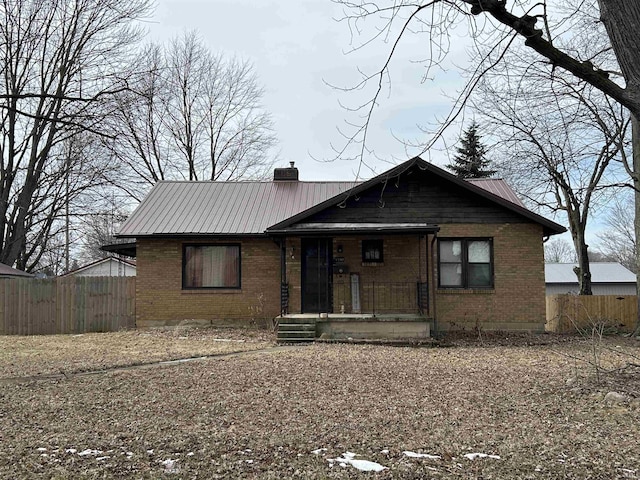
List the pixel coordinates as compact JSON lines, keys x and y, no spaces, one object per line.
{"x":297,"y":46}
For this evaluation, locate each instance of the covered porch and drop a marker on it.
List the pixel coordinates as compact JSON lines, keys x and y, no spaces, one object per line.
{"x":358,"y":281}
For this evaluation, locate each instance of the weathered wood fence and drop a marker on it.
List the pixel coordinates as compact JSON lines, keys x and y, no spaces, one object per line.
{"x":568,"y":313}
{"x":66,"y":305}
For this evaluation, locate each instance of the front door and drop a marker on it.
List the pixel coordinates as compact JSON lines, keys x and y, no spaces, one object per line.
{"x":316,"y":275}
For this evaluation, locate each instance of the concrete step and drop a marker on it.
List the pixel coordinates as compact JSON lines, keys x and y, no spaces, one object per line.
{"x":307,"y":334}
{"x":297,"y":327}
{"x":296,"y":330}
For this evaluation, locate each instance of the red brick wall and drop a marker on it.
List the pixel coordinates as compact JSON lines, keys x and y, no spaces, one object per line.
{"x":160,"y":299}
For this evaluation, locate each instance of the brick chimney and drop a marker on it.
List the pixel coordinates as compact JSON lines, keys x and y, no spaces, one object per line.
{"x":289,"y":174}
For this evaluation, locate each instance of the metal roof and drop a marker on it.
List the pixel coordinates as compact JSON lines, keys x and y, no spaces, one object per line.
{"x":498,"y":187}
{"x":250,"y":208}
{"x":224,"y":208}
{"x":7,"y":271}
{"x":123,"y":261}
{"x":601,"y":272}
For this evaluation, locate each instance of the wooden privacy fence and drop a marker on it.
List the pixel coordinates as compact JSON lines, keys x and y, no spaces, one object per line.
{"x":568,"y":313}
{"x":66,"y":305}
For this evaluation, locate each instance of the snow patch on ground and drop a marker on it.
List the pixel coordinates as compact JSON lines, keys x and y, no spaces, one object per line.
{"x":474,"y":456}
{"x":319,"y":451}
{"x":89,"y":451}
{"x":170,"y":465}
{"x":421,"y":455}
{"x":348,"y":458}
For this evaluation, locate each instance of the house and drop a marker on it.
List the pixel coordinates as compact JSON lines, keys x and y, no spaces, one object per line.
{"x":9,"y":272}
{"x":105,"y":267}
{"x":412,"y":249}
{"x":607,"y":278}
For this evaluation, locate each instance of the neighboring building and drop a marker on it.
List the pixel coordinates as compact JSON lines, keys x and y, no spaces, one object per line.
{"x":106,"y":267}
{"x":607,"y":278}
{"x":410,"y":249}
{"x":9,"y":272}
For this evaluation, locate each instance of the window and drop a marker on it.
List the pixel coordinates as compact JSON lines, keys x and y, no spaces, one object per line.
{"x":211,"y":266}
{"x":372,"y":251}
{"x":465,"y":263}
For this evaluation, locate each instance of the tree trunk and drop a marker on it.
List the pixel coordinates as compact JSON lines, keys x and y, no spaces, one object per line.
{"x":635,"y":143}
{"x":585,"y":269}
{"x":621,"y":19}
{"x":583,"y":272}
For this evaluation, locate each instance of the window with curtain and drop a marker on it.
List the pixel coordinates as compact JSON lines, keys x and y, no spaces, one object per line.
{"x":465,"y":263}
{"x":211,"y":266}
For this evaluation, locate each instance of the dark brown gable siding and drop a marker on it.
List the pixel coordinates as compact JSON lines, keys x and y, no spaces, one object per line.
{"x":421,"y":198}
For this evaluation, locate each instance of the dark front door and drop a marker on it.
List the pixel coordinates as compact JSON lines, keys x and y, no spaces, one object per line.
{"x":316,"y":275}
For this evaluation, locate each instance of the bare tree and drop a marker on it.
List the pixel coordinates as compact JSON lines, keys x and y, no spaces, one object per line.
{"x":59,"y":62}
{"x":98,"y":230}
{"x":618,"y":243}
{"x":137,"y":124}
{"x":492,"y":22}
{"x":559,"y":140}
{"x":558,"y":250}
{"x":194,"y":116}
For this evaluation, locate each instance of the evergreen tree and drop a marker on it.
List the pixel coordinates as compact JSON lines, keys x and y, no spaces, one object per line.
{"x":470,"y":162}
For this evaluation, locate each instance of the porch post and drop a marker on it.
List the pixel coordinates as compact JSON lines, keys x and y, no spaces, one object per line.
{"x":433,"y":282}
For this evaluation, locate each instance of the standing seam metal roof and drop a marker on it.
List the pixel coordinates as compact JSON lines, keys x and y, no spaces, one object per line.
{"x":242,"y":208}
{"x":224,"y":208}
{"x":498,"y":187}
{"x":601,"y":272}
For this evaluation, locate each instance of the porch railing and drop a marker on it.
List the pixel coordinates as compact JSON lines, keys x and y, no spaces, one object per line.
{"x":284,"y":298}
{"x":380,"y":297}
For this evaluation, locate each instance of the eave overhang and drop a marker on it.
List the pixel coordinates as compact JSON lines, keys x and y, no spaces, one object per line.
{"x":305,"y":229}
{"x":127,"y":249}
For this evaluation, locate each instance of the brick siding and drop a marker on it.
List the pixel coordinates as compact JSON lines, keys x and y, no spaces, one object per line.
{"x":517,"y":301}
{"x":160,"y":299}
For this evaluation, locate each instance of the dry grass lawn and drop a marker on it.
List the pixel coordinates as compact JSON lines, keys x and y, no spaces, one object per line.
{"x":262,"y":416}
{"x":54,"y":354}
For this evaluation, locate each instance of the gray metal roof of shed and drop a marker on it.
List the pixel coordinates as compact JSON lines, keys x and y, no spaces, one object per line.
{"x":7,"y":271}
{"x":601,"y":272}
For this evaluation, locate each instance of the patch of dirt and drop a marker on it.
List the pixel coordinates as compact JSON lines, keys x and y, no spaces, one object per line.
{"x":53,"y":354}
{"x":264,"y":416}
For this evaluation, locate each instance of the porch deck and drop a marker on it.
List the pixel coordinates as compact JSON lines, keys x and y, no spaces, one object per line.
{"x":388,"y":326}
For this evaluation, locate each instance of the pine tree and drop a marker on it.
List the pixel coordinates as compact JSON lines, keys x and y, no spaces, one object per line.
{"x":470,"y":162}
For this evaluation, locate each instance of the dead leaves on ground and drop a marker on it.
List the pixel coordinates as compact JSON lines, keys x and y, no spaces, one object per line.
{"x":264,"y":416}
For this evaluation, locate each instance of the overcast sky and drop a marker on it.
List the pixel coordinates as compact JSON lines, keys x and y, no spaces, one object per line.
{"x":297,"y":47}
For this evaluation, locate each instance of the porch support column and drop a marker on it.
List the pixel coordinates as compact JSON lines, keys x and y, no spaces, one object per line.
{"x":432,"y":280}
{"x":284,"y":286}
